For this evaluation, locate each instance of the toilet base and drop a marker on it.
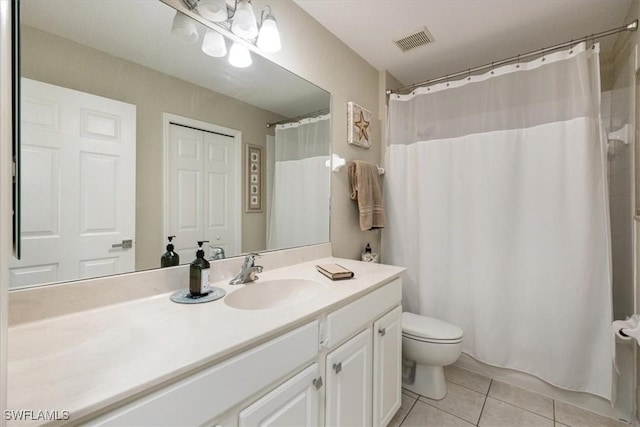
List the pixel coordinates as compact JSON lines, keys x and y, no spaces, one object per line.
{"x":429,"y":382}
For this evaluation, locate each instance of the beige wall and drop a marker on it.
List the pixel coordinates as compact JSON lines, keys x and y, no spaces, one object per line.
{"x":313,"y":53}
{"x":46,"y":58}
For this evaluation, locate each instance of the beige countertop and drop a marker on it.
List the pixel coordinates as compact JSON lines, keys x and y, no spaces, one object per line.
{"x":87,"y":361}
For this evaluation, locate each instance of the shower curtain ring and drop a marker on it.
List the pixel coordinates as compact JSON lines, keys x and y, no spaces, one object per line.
{"x":469,"y":74}
{"x":571,"y":49}
{"x":518,"y":62}
{"x":543,"y":52}
{"x":447,"y":80}
{"x":491,"y":67}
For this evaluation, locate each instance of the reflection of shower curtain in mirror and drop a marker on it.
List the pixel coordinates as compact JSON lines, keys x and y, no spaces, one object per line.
{"x":300,"y":184}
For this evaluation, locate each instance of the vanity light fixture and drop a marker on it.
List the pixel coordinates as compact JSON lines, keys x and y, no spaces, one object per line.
{"x":244,"y":23}
{"x":269,"y":36}
{"x":237,"y":18}
{"x":183,"y":28}
{"x":213,"y":44}
{"x":239,"y":56}
{"x":212,"y":10}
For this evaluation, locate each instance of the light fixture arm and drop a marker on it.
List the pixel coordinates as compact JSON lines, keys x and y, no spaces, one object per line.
{"x":232,"y":12}
{"x":266,"y":10}
{"x":191,"y":4}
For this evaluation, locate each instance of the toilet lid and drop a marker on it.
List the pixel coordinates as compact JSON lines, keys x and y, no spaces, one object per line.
{"x":428,"y":327}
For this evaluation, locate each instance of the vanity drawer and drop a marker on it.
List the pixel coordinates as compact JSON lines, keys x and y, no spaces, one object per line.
{"x":203,"y":396}
{"x":346,"y":321}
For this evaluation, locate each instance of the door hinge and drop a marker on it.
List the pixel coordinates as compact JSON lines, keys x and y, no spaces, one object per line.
{"x":337,"y":367}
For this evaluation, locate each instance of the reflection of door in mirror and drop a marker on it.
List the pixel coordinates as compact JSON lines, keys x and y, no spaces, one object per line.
{"x":202,"y":182}
{"x":78,"y":201}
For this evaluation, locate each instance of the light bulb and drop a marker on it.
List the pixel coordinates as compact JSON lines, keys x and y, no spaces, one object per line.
{"x":213,"y":10}
{"x":269,"y":36}
{"x":184,"y":28}
{"x":244,"y":21}
{"x":213,"y":44}
{"x":239,"y":56}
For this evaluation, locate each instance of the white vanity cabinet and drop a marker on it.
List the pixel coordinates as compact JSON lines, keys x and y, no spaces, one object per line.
{"x":199,"y":398}
{"x":342,"y":368}
{"x":387,"y":366}
{"x":364,"y":373}
{"x":294,"y":403}
{"x":348,"y":394}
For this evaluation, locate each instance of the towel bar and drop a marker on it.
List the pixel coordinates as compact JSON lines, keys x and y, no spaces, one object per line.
{"x":339,"y":162}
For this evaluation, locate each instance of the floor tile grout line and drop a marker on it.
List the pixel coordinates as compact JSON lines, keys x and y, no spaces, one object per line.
{"x":524,"y":409}
{"x":447,"y":412}
{"x":408,"y":412}
{"x":469,"y":388}
{"x":486,"y":396}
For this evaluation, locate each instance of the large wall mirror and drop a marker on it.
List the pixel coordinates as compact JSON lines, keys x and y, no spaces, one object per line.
{"x":129,"y":135}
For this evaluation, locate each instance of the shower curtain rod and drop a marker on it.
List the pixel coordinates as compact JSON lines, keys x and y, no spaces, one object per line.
{"x":629,"y":27}
{"x":300,"y":117}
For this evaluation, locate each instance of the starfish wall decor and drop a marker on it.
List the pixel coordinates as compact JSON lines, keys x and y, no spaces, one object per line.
{"x":358,"y":121}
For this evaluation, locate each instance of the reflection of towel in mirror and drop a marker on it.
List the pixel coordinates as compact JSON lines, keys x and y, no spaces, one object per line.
{"x":365,"y":188}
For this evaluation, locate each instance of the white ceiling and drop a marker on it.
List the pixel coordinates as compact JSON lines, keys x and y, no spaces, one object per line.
{"x":467,"y":33}
{"x":140,"y":31}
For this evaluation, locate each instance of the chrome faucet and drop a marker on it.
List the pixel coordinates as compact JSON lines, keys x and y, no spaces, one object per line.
{"x":216,"y":253}
{"x":249,"y":270}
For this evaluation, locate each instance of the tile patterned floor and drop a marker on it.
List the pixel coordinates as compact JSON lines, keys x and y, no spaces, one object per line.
{"x":474,"y":400}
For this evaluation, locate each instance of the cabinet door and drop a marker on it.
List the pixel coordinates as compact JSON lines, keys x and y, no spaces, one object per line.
{"x":387,"y":366}
{"x":294,"y":403}
{"x":348,"y":393}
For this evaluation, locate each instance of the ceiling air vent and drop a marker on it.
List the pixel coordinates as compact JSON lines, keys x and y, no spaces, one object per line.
{"x":417,"y":38}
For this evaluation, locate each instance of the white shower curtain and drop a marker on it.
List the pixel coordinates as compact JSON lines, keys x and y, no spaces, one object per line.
{"x":495,"y":196}
{"x":299,"y":207}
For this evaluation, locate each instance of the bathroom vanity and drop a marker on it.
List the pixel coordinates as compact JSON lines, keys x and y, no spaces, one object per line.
{"x":329,"y":354}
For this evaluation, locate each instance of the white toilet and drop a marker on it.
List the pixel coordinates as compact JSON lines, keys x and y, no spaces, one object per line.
{"x":432,"y":344}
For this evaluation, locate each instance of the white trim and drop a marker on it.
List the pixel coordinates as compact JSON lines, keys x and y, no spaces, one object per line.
{"x":167,"y":119}
{"x":6,"y":241}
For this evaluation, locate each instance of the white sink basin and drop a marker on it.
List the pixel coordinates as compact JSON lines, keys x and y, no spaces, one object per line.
{"x":261,"y":295}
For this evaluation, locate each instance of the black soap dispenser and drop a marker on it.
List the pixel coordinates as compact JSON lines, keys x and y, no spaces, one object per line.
{"x":169,"y":258}
{"x":199,"y":274}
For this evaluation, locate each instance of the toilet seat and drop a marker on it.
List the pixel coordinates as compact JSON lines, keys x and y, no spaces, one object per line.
{"x":428,"y":329}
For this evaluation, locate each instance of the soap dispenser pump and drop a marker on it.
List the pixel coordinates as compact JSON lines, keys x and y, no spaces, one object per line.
{"x":199,"y":274}
{"x":170,"y":258}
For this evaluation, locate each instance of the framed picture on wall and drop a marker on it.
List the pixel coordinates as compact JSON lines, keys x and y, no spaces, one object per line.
{"x":358,"y":122}
{"x":253,"y":189}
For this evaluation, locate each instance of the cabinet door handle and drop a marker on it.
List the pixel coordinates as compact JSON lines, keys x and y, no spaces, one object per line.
{"x":382,"y":331}
{"x":317,"y":382}
{"x":337,"y":367}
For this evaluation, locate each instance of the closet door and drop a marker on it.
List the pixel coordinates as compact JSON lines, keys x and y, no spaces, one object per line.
{"x":202,"y":189}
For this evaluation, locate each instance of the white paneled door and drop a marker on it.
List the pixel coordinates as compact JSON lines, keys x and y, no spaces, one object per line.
{"x":78,"y":158}
{"x":202,"y":186}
